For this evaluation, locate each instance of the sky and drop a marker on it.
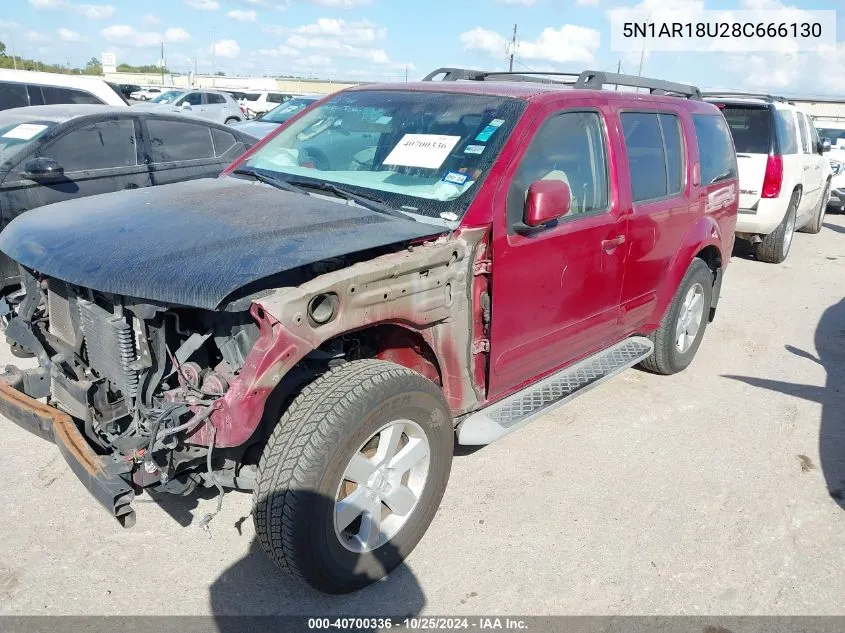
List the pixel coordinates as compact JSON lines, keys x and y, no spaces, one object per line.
{"x":382,"y":40}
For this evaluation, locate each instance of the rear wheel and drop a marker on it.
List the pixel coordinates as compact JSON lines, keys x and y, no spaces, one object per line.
{"x":775,"y":246}
{"x":231,"y":120}
{"x":814,"y":226}
{"x":353,"y":474}
{"x":677,"y":339}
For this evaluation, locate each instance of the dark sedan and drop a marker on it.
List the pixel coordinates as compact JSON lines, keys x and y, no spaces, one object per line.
{"x":53,"y":153}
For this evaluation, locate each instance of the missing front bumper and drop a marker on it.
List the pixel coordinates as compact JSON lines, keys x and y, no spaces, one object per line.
{"x":109,"y":488}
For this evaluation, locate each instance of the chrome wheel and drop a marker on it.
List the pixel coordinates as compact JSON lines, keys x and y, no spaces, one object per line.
{"x":689,"y":318}
{"x":790,"y":231}
{"x":381,"y":486}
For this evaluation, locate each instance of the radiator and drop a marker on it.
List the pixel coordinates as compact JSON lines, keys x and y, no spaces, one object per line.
{"x":110,"y":344}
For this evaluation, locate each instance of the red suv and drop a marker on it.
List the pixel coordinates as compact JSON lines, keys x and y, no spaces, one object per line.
{"x":396,"y":265}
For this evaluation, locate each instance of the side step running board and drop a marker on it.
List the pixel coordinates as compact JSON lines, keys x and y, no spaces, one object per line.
{"x":517,"y":410}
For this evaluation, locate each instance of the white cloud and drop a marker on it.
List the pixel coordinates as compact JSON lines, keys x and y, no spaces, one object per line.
{"x":176,"y":35}
{"x":149,"y":19}
{"x":587,"y":3}
{"x":35,"y":36}
{"x":46,"y":4}
{"x":226,"y":48}
{"x":95,"y":11}
{"x":350,"y":32}
{"x":279,"y":51}
{"x":8,"y":24}
{"x":126,"y":35}
{"x":341,"y":4}
{"x":332,"y":37}
{"x":66,"y":35}
{"x":569,"y":43}
{"x":313,"y":61}
{"x":203,"y":5}
{"x":526,"y":3}
{"x":241,"y":15}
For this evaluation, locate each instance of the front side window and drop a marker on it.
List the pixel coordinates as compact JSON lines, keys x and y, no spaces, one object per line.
{"x":192,"y":98}
{"x":13,"y":95}
{"x":103,"y":145}
{"x":168,"y":97}
{"x":787,"y":134}
{"x":805,"y":135}
{"x":569,"y":147}
{"x":715,"y":149}
{"x":836,"y":136}
{"x":54,"y":95}
{"x":176,"y":140}
{"x":423,"y":152}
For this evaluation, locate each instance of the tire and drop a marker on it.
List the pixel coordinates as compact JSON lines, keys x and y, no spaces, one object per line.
{"x":815,"y":225}
{"x":231,"y":120}
{"x":775,"y":246}
{"x":668,"y":358}
{"x":303,"y":470}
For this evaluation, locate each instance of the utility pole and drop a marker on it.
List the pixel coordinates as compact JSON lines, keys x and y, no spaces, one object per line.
{"x":513,"y":48}
{"x":618,"y":72}
{"x":14,"y":57}
{"x":213,"y":65}
{"x":406,"y":73}
{"x":161,"y":63}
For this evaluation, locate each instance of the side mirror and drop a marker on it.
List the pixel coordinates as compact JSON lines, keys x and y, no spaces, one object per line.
{"x":259,"y":116}
{"x":547,"y":200}
{"x":824,"y":145}
{"x":186,"y":106}
{"x":43,"y":169}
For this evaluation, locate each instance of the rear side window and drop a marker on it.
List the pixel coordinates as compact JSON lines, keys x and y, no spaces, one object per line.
{"x":803,"y":133}
{"x":215,"y":98}
{"x":751,"y":128}
{"x":175,"y":140}
{"x":223,"y":141}
{"x":715,"y":151}
{"x":655,"y":154}
{"x":787,"y":134}
{"x":54,"y":95}
{"x":103,"y":145}
{"x":13,"y":95}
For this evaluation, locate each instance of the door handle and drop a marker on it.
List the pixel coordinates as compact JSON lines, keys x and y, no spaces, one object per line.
{"x":609,"y":245}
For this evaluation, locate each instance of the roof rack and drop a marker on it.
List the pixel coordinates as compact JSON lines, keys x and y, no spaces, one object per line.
{"x":744,"y":95}
{"x":586,"y":80}
{"x":466,"y":74}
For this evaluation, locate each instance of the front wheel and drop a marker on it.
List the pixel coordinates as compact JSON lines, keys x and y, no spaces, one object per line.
{"x":353,"y":474}
{"x":231,"y":120}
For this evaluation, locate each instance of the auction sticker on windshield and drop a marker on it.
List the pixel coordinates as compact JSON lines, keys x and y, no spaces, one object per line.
{"x":25,"y":131}
{"x":422,"y":150}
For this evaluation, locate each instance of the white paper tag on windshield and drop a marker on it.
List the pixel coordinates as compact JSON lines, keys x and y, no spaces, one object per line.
{"x":422,"y":150}
{"x":25,"y":131}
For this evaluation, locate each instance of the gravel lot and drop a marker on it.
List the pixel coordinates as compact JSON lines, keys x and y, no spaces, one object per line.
{"x":702,"y":493}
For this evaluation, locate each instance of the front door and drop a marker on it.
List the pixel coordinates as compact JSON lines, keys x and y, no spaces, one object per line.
{"x":556,"y":291}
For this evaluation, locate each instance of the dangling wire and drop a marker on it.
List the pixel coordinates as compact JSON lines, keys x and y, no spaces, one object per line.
{"x":203,"y":524}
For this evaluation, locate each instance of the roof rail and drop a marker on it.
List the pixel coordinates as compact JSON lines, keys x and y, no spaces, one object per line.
{"x":465,"y":74}
{"x":597,"y":79}
{"x":588,"y":80}
{"x":744,"y":95}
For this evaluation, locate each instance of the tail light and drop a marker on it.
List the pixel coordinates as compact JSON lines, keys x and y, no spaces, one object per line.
{"x":774,"y":176}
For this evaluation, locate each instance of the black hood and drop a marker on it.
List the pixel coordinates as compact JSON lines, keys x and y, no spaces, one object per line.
{"x":194,"y":243}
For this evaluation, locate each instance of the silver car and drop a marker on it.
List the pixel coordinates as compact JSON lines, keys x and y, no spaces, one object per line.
{"x":212,"y":105}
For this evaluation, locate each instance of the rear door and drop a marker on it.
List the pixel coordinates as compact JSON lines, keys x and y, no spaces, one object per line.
{"x":97,"y":157}
{"x":753,"y":129}
{"x":215,"y":107}
{"x":813,"y":172}
{"x":180,"y":150}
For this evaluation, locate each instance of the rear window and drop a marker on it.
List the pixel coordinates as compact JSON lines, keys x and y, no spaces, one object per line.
{"x":787,"y":133}
{"x":715,"y":151}
{"x":751,"y":128}
{"x":215,"y":98}
{"x":55,"y":95}
{"x":177,"y":140}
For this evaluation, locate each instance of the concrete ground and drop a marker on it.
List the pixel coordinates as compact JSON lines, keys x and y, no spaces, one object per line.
{"x":710,"y":492}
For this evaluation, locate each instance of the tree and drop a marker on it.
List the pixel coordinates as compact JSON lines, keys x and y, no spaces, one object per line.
{"x":2,"y":49}
{"x":93,"y":67}
{"x":220,"y":73}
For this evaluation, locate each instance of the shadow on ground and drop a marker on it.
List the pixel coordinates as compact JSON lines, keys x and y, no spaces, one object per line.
{"x":830,"y":347}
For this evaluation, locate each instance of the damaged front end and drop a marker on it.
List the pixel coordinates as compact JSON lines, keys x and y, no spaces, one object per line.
{"x":140,"y":379}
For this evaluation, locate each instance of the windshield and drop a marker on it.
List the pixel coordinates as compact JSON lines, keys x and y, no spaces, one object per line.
{"x":14,"y":136}
{"x":751,"y":128}
{"x":282,"y":113}
{"x":424,"y":152}
{"x":168,"y":97}
{"x":836,"y":136}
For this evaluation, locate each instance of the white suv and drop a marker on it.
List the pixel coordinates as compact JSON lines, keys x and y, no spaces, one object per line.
{"x":784,"y":178}
{"x":261,"y":102}
{"x":834,"y":131}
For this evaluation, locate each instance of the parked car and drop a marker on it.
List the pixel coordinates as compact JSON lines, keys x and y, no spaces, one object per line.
{"x":784,"y":178}
{"x":128,"y":89}
{"x":53,"y":153}
{"x":212,"y":105}
{"x":21,"y":88}
{"x":834,"y":131}
{"x":473,"y":256}
{"x":262,"y":101}
{"x":262,"y":125}
{"x":145,"y":94}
